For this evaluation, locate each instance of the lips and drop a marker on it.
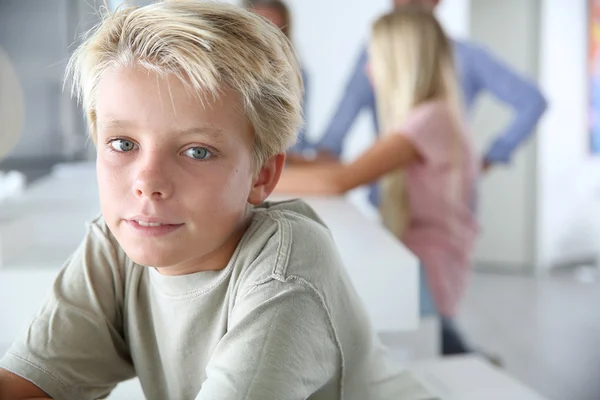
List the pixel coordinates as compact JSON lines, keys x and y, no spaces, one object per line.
{"x":146,"y":220}
{"x":152,"y":227}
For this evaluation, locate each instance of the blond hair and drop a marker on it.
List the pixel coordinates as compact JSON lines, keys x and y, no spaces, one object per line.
{"x":411,"y":63}
{"x":209,"y":46}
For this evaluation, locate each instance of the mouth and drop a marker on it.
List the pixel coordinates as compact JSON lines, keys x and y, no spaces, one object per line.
{"x":144,"y":223}
{"x":151,"y":227}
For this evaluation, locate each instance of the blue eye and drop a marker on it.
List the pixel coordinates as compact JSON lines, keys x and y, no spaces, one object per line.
{"x":198,"y":153}
{"x":122,"y":145}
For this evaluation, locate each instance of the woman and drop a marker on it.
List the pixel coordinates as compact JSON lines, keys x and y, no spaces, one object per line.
{"x":424,"y":159}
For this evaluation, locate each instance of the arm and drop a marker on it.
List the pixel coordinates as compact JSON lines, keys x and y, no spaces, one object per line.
{"x":358,"y":95}
{"x":388,"y":153}
{"x":279,"y":346}
{"x":520,"y":93}
{"x":74,"y":347}
{"x":13,"y":387}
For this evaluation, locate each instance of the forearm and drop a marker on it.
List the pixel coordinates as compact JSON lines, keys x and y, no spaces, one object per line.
{"x":520,"y":129}
{"x":388,"y":154}
{"x":325,"y":179}
{"x":13,"y":387}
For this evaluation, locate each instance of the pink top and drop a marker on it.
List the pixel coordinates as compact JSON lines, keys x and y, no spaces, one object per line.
{"x":442,"y":226}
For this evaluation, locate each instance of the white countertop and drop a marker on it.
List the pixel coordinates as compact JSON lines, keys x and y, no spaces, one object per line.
{"x":454,"y":378}
{"x":40,"y":231}
{"x":469,"y":377}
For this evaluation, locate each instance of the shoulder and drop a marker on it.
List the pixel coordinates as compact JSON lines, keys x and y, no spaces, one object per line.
{"x":101,"y":255}
{"x":475,"y":56}
{"x":287,"y":242}
{"x":470,"y":48}
{"x":100,"y":238}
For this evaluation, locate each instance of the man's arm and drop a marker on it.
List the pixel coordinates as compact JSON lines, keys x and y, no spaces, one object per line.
{"x":13,"y":387}
{"x":519,"y":92}
{"x":280,"y":346}
{"x":358,"y":95}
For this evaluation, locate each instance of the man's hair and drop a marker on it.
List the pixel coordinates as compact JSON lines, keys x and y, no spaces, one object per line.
{"x":209,"y":46}
{"x":277,"y":5}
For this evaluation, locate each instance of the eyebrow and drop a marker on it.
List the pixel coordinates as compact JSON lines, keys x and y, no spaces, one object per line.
{"x":205,"y":129}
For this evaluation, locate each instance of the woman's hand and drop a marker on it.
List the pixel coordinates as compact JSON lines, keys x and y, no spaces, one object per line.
{"x":312,"y":179}
{"x":310,"y":158}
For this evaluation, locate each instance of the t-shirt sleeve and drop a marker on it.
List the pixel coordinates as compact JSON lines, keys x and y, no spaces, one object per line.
{"x":430,"y":130}
{"x":279,"y":346}
{"x":74,"y":347}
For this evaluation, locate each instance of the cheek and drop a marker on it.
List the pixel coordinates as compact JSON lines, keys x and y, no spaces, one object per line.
{"x":111,"y":179}
{"x":230,"y":185}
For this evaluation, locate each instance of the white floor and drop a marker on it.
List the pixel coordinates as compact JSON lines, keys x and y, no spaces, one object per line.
{"x":546,"y":329}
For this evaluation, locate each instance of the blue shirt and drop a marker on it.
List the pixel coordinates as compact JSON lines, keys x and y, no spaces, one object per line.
{"x":478,"y":71}
{"x":302,"y":142}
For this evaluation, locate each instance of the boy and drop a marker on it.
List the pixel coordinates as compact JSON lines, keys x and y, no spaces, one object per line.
{"x":187,"y":280}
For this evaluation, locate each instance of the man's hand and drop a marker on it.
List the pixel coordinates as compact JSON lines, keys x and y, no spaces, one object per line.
{"x":486,"y":165}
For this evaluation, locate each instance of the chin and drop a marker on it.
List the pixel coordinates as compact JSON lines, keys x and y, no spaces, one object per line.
{"x":152,"y":260}
{"x":149,"y":252}
{"x":150,"y":255}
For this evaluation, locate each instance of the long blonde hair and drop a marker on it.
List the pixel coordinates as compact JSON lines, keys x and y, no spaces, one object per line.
{"x":411,"y":63}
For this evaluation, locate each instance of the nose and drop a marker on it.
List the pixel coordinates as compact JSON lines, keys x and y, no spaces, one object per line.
{"x":152,"y":179}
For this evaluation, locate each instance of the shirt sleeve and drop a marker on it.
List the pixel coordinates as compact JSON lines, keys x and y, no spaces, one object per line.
{"x":428,"y":129}
{"x":302,"y":142}
{"x":357,"y":96}
{"x":518,"y":92}
{"x":279,"y":346}
{"x":74,"y":347}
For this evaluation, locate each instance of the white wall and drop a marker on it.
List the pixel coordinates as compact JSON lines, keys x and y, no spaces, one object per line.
{"x":551,"y":216}
{"x":510,"y":30}
{"x":455,"y":16}
{"x":568,"y":176}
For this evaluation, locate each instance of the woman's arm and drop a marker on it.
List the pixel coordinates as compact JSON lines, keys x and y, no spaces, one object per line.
{"x":389,"y":153}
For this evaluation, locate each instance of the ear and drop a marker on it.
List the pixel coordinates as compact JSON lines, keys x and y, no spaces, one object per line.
{"x":266,"y":179}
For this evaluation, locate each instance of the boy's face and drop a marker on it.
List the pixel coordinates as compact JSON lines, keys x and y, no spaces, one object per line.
{"x":175,"y":178}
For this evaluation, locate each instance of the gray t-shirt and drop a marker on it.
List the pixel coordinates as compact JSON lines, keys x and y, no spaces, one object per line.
{"x":280,"y":321}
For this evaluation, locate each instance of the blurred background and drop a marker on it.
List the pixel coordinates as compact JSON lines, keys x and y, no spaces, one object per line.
{"x":534,"y":296}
